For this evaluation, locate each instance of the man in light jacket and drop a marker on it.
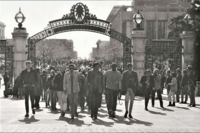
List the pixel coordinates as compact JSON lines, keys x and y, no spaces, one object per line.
{"x":112,"y":79}
{"x":71,"y":87}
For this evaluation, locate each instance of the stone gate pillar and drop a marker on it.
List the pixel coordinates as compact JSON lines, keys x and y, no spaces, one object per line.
{"x":188,"y":38}
{"x":20,"y":56}
{"x":138,"y":49}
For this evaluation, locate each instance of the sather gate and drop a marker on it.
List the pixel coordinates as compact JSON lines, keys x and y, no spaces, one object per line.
{"x":79,"y":19}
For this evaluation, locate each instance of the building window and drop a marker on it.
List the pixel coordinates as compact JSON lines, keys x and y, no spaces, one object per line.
{"x":162,"y":28}
{"x":151,"y":29}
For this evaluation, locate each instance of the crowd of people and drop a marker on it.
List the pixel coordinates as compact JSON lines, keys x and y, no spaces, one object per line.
{"x":75,"y":86}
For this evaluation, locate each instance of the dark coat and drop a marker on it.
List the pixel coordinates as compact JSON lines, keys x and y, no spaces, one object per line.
{"x":143,"y":82}
{"x":29,"y":78}
{"x":184,"y":80}
{"x":59,"y":82}
{"x":39,"y":86}
{"x":51,"y":83}
{"x":82,"y":84}
{"x":90,"y":81}
{"x":178,"y":78}
{"x":125,"y":81}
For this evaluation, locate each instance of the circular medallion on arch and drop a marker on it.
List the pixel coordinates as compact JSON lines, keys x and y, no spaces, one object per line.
{"x":79,"y":12}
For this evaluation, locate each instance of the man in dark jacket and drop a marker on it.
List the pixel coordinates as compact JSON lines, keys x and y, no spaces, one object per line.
{"x":129,"y":85}
{"x":178,"y":78}
{"x":147,"y":82}
{"x":94,"y":83}
{"x":29,"y":79}
{"x":38,"y":90}
{"x":192,"y":86}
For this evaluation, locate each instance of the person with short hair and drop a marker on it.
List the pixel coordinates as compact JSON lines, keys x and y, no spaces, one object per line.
{"x":51,"y":89}
{"x":38,"y":90}
{"x":173,"y":89}
{"x":62,"y":97}
{"x":178,"y":78}
{"x":192,"y":86}
{"x":95,"y":86}
{"x":184,"y":86}
{"x":82,"y":90}
{"x":147,"y":82}
{"x":167,"y":81}
{"x":71,"y":87}
{"x":112,"y":79}
{"x":157,"y":88}
{"x":29,"y":79}
{"x":129,"y":85}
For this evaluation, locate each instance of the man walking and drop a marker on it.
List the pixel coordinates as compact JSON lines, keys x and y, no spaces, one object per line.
{"x":71,"y":87}
{"x":94,"y":83}
{"x":113,"y":84}
{"x":62,"y":96}
{"x":130,"y":85}
{"x":29,"y":79}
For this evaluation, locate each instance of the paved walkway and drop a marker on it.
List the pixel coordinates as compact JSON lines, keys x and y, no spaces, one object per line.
{"x":171,"y":119}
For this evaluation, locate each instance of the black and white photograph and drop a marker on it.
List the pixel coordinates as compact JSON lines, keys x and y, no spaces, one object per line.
{"x":100,"y":66}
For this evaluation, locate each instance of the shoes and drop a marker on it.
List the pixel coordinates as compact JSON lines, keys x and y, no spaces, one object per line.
{"x":146,"y":109}
{"x":76,"y":114}
{"x":68,"y":109}
{"x":113,"y":114}
{"x":169,"y":104}
{"x":63,"y":114}
{"x":185,"y":102}
{"x":152,"y":105}
{"x":33,"y":110}
{"x":181,"y":102}
{"x":125,"y":115}
{"x":193,"y":105}
{"x":130,"y":116}
{"x":72,"y":117}
{"x":95,"y":117}
{"x":27,"y":115}
{"x":173,"y":104}
{"x":110,"y":114}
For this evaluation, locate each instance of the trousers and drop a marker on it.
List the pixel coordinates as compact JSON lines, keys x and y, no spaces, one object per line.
{"x":95,"y":102}
{"x":37,"y":100}
{"x":147,"y":96}
{"x":171,"y":95}
{"x":29,"y":91}
{"x":73,"y":99}
{"x":53,"y":98}
{"x":112,"y":99}
{"x":62,"y":100}
{"x":159,"y":97}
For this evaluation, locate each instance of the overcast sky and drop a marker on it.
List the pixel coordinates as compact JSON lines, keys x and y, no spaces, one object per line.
{"x":39,"y":13}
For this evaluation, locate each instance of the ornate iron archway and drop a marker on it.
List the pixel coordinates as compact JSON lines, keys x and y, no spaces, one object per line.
{"x":79,"y":19}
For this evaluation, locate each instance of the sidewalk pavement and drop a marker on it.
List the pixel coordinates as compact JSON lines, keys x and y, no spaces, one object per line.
{"x":170,"y":119}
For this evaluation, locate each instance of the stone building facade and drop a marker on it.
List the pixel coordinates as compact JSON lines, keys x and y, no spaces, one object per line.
{"x":157,"y":15}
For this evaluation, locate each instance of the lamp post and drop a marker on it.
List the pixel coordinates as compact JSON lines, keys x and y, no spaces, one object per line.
{"x":138,"y":19}
{"x":19,"y":17}
{"x":188,"y":19}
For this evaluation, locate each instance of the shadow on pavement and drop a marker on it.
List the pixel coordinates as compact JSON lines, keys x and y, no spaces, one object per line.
{"x":101,"y":122}
{"x":165,"y":109}
{"x":75,"y":121}
{"x":38,"y":110}
{"x":182,"y":108}
{"x":122,"y":120}
{"x":29,"y":120}
{"x":54,"y":112}
{"x":156,"y":113}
